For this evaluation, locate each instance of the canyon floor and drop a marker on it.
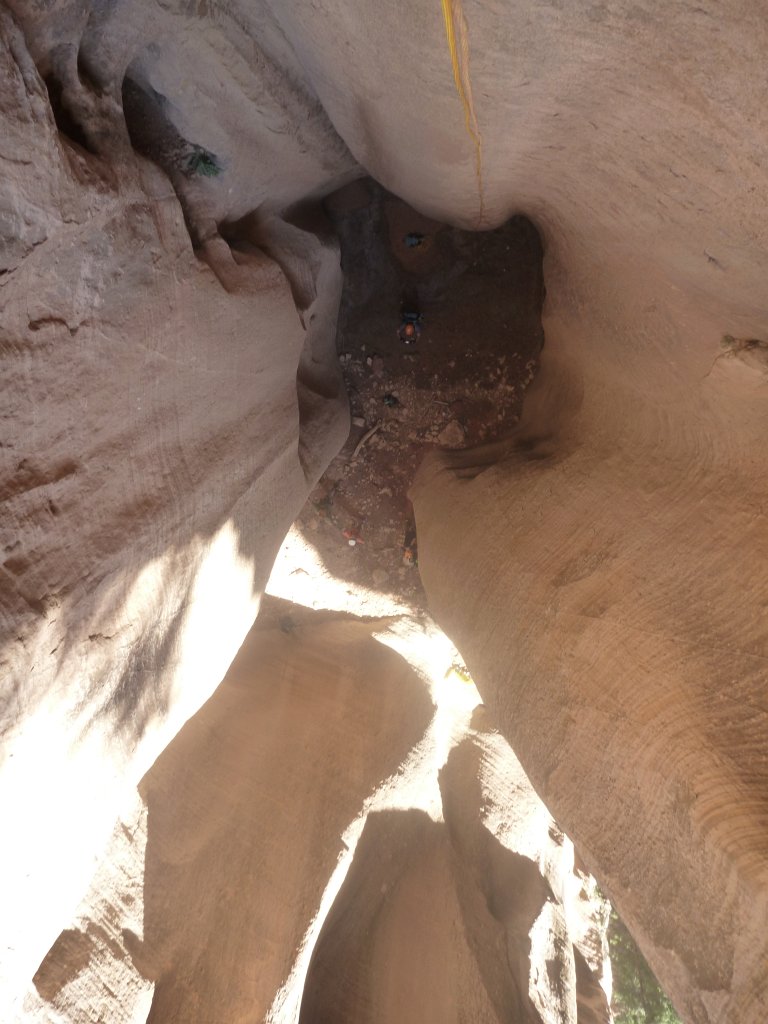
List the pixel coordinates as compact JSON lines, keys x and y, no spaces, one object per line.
{"x":460,"y":384}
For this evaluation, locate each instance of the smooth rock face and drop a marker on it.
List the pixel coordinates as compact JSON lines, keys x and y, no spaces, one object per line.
{"x":156,"y":447}
{"x":323,"y":842}
{"x":165,"y":412}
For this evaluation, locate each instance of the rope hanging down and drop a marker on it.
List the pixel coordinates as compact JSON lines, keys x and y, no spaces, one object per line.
{"x":456,"y":27}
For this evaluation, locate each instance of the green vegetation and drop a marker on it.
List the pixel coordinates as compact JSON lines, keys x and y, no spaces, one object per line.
{"x":201,"y":161}
{"x":637,"y":998}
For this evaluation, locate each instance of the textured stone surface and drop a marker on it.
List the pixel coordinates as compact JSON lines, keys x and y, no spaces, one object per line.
{"x":333,"y":837}
{"x":616,"y":550}
{"x":164,"y":412}
{"x":155,"y":450}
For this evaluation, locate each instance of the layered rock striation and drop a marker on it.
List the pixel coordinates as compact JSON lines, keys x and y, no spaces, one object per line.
{"x":169,"y":289}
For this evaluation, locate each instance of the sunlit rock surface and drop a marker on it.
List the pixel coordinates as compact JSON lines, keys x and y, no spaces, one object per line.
{"x":171,"y":396}
{"x":337,"y":835}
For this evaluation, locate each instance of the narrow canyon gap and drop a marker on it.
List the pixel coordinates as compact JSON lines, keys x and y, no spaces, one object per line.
{"x":172,"y":395}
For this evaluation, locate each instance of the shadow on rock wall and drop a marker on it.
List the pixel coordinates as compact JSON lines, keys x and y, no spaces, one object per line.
{"x":259,"y":804}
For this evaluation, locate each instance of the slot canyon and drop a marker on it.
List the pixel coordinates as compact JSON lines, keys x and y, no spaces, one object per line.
{"x":384,"y":580}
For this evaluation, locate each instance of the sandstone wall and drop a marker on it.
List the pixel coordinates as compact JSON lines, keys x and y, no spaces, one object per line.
{"x":154,"y":452}
{"x":157,"y":442}
{"x":333,"y":837}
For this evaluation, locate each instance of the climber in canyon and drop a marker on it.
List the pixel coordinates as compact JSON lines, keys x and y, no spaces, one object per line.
{"x":411,"y":325}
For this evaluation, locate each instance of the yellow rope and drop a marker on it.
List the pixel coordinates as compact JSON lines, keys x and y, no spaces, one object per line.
{"x":455,"y":23}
